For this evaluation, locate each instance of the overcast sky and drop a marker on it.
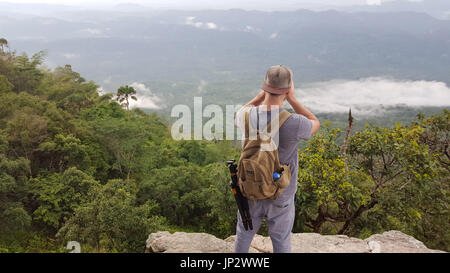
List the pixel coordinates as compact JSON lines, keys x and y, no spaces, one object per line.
{"x":246,"y":4}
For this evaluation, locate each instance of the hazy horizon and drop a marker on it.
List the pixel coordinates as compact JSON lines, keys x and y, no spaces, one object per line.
{"x":210,"y":4}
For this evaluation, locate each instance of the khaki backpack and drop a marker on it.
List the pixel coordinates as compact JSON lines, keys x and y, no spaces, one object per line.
{"x":259,"y":160}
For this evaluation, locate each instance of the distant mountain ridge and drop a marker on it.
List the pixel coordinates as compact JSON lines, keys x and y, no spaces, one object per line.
{"x":174,"y":51}
{"x":437,"y":8}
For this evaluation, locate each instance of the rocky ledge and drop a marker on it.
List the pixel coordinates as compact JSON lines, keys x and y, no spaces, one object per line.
{"x":389,"y":242}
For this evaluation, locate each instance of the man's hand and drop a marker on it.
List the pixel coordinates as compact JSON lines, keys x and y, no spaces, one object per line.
{"x":300,"y":109}
{"x":290,"y":96}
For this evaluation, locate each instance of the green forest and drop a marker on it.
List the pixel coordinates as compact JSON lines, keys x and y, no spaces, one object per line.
{"x":79,"y":166}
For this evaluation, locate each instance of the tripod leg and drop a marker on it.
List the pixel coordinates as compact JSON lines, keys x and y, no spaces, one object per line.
{"x":246,"y":213}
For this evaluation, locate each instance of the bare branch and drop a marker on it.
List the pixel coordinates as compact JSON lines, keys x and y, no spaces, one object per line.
{"x":344,"y":145}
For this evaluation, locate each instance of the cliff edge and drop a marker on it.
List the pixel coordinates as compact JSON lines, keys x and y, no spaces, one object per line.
{"x":389,"y":242}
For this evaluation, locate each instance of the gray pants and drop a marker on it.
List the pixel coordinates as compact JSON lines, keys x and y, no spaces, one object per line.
{"x":279,"y":217}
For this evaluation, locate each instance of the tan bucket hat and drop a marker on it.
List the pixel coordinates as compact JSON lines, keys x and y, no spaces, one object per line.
{"x":278,"y":80}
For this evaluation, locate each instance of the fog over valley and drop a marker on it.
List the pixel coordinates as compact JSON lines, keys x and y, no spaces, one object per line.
{"x":367,"y":96}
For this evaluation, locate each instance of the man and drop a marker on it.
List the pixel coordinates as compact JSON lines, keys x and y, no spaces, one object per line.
{"x":279,"y":214}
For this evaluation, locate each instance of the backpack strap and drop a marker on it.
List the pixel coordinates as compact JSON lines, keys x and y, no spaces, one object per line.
{"x":247,"y":124}
{"x":280,"y":119}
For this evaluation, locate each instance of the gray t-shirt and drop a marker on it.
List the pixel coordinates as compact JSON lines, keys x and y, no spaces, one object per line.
{"x":295,"y":128}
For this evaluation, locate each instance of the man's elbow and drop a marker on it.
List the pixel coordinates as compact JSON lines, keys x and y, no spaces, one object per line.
{"x":315,"y":126}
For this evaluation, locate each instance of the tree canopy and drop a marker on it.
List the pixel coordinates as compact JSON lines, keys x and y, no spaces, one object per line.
{"x":76,"y":165}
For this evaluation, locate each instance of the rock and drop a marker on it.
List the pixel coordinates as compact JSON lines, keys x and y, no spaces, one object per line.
{"x":374,"y":247}
{"x":187,"y":243}
{"x":391,"y":241}
{"x":182,"y":242}
{"x":312,"y":243}
{"x":260,"y":244}
{"x":396,"y":242}
{"x":316,"y":243}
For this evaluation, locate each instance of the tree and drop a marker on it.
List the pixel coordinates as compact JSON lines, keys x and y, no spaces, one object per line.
{"x":68,"y":90}
{"x":55,"y":197}
{"x":5,"y":85}
{"x":123,"y":139}
{"x":221,"y":219}
{"x":328,"y":191}
{"x":3,"y":44}
{"x":62,"y":152}
{"x":125,"y":93}
{"x":180,"y":192}
{"x":26,"y":131}
{"x":26,"y":75}
{"x":192,"y":151}
{"x":382,"y":162}
{"x":13,"y":174}
{"x":111,"y":220}
{"x":436,"y":135}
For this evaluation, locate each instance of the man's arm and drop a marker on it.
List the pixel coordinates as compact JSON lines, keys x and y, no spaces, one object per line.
{"x":239,"y":121}
{"x":300,"y":109}
{"x":257,"y":100}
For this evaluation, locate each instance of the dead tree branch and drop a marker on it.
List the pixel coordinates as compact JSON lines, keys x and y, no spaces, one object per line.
{"x":344,"y":145}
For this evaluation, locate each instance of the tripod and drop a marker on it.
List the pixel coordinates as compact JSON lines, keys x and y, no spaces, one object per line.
{"x":241,"y":201}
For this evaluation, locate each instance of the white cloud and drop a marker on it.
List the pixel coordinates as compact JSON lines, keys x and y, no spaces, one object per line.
{"x":198,"y":24}
{"x":251,"y":29}
{"x":273,"y":35}
{"x":201,"y":86}
{"x":190,"y":19}
{"x":69,"y":56}
{"x":207,"y":25}
{"x":101,"y":91}
{"x":145,"y":97}
{"x":211,"y":25}
{"x":93,"y":31}
{"x":366,"y":96}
